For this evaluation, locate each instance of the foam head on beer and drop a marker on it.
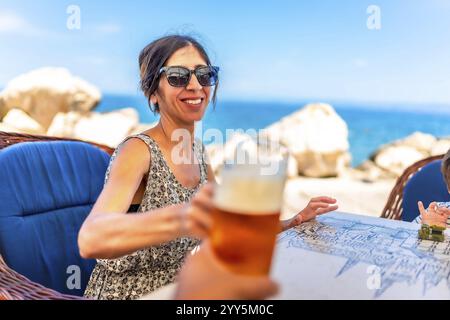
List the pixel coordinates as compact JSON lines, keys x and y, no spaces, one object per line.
{"x":244,"y":189}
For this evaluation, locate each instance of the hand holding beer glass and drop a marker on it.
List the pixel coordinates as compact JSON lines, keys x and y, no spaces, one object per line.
{"x":246,"y":218}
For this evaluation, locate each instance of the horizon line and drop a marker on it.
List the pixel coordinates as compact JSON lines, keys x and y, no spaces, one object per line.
{"x":303,"y":100}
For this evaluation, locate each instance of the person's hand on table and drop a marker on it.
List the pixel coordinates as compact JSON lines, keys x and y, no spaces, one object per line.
{"x":434,"y":215}
{"x":203,"y":276}
{"x":315,"y":207}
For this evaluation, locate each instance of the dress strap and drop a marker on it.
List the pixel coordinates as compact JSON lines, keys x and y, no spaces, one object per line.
{"x":200,"y":150}
{"x":146,"y":139}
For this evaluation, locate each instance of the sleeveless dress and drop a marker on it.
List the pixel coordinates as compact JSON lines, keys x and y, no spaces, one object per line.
{"x":139,"y":273}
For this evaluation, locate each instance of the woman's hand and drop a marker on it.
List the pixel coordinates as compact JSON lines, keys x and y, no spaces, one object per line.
{"x":195,"y":217}
{"x":203,"y":276}
{"x":316,"y":206}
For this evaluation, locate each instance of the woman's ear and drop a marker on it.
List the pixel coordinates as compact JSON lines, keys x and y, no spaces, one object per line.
{"x":153,"y":99}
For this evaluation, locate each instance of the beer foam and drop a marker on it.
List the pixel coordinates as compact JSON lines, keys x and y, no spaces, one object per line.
{"x":244,"y":190}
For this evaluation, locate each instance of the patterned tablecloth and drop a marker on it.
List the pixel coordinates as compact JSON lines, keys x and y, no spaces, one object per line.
{"x":346,"y":256}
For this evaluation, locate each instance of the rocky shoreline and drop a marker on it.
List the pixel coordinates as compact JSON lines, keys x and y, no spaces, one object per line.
{"x":51,"y":101}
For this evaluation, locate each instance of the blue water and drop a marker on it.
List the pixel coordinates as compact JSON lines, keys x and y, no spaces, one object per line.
{"x":368,"y":127}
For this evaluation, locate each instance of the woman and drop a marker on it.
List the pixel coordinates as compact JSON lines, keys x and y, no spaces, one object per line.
{"x":138,"y":253}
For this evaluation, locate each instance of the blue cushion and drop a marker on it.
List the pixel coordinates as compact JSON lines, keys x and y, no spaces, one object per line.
{"x":46,"y":191}
{"x":427,"y":185}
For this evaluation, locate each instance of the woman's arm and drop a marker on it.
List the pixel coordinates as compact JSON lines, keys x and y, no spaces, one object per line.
{"x":113,"y":235}
{"x":316,"y":206}
{"x":110,"y":233}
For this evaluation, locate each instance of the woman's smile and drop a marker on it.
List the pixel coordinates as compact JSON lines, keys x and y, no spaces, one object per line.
{"x":194,"y":103}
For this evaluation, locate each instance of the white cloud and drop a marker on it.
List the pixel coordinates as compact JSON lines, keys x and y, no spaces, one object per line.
{"x":12,"y":23}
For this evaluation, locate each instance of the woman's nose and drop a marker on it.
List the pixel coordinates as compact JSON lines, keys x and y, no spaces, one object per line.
{"x":194,"y":84}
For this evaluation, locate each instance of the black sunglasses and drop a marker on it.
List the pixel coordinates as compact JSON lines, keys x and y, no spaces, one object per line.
{"x":178,"y":76}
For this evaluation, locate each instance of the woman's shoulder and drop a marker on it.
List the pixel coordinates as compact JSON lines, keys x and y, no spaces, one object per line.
{"x":131,"y":144}
{"x":143,"y":140}
{"x":135,"y":143}
{"x":133,"y":152}
{"x":130,"y":156}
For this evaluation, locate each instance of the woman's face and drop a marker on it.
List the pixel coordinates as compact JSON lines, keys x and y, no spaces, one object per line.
{"x":185,"y":104}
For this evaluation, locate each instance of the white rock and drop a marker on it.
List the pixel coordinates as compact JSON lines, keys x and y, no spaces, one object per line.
{"x":63,"y":124}
{"x":318,"y":139}
{"x":420,"y":141}
{"x":3,"y":109}
{"x":23,"y":123}
{"x":218,"y":154}
{"x":292,"y":167}
{"x":440,"y":147}
{"x":8,"y":128}
{"x":42,"y":93}
{"x":311,"y":164}
{"x":105,"y":128}
{"x":108,"y":128}
{"x":396,"y":159}
{"x":368,"y":171}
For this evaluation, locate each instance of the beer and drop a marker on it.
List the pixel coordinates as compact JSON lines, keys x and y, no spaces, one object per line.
{"x":246,"y":218}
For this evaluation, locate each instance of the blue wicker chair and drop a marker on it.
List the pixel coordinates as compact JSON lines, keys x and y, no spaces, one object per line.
{"x":47,"y":188}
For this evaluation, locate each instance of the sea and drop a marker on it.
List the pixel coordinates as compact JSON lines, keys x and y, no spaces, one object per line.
{"x":370,"y":125}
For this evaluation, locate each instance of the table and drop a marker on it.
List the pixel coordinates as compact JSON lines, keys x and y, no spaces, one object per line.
{"x":348,"y":256}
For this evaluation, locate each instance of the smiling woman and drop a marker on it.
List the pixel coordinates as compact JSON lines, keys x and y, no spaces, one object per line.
{"x":138,"y":253}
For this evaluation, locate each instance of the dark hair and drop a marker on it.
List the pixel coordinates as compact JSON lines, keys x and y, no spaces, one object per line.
{"x":445,"y":168}
{"x":154,"y":56}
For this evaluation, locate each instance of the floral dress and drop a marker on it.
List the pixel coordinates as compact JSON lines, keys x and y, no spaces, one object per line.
{"x":143,"y":271}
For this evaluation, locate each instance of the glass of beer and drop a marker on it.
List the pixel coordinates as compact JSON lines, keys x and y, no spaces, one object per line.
{"x":246,"y":218}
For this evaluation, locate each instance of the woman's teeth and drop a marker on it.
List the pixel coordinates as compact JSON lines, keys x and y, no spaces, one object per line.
{"x":197,"y":101}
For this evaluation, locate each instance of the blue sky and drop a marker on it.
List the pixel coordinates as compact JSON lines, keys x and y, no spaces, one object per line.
{"x":286,"y":50}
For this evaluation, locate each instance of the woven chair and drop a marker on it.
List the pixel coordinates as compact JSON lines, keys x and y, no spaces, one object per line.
{"x":10,"y":138}
{"x":394,"y":205}
{"x":14,"y":286}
